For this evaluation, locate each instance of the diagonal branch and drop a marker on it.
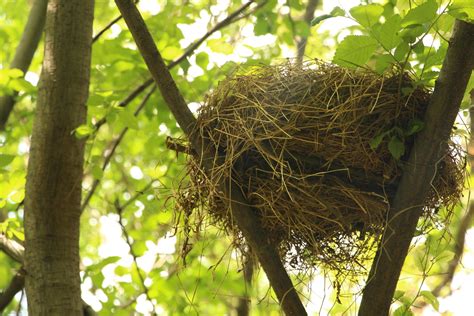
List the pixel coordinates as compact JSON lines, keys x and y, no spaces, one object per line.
{"x":119,"y":208}
{"x":188,"y":52}
{"x":114,"y":147}
{"x":13,"y":249}
{"x":244,"y":215}
{"x":24,"y":53}
{"x":465,"y":222}
{"x":108,"y":26}
{"x":415,"y":183}
{"x":17,"y":284}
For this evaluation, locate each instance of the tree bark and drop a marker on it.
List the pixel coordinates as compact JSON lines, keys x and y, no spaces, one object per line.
{"x":245,"y":217}
{"x":53,"y":187}
{"x":421,"y":167}
{"x":24,"y":53}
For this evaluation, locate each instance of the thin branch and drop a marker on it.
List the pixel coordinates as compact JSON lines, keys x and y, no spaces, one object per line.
{"x":119,"y":208}
{"x":12,"y":248}
{"x":137,"y":91}
{"x":430,"y":145}
{"x":245,"y":217}
{"x":20,"y":302}
{"x":108,"y":26}
{"x":308,"y":17}
{"x":16,"y":285}
{"x":228,"y":20}
{"x":138,"y":194}
{"x":114,"y":147}
{"x":243,"y":307}
{"x":24,"y":53}
{"x":460,"y":241}
{"x":16,"y":252}
{"x":466,"y":220}
{"x":188,"y":52}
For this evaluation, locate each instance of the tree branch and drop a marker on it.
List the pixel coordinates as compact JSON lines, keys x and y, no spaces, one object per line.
{"x":243,"y":307}
{"x":244,"y":215}
{"x":12,"y":248}
{"x":188,"y":52}
{"x":114,"y":146}
{"x":15,"y":286}
{"x":308,"y":17}
{"x":24,"y":53}
{"x":119,"y":208}
{"x":108,"y":26}
{"x":16,"y":252}
{"x":466,"y":220}
{"x":415,"y":183}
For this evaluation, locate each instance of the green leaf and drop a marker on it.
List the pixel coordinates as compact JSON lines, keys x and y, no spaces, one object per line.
{"x":388,"y":33}
{"x":401,"y":51}
{"x":83,"y":131}
{"x":383,"y":62}
{"x":421,"y":14}
{"x":411,"y":33}
{"x":5,"y":160}
{"x":20,"y":84}
{"x":219,"y":46}
{"x":430,"y":298}
{"x":320,"y":18}
{"x":171,"y":52}
{"x":338,"y":11}
{"x":97,"y":267}
{"x":302,"y":28}
{"x":14,"y":73}
{"x":396,"y":147}
{"x":127,"y":118}
{"x":403,"y":311}
{"x":18,"y":196}
{"x":261,"y":27}
{"x":367,"y":15}
{"x":18,"y":234}
{"x":139,"y":248}
{"x":462,"y":9}
{"x":355,"y":50}
{"x":414,"y":126}
{"x":185,"y":64}
{"x":398,"y":294}
{"x":97,"y":172}
{"x":375,"y":142}
{"x":202,"y":60}
{"x":121,"y":270}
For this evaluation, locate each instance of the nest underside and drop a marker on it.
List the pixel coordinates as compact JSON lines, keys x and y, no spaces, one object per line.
{"x":297,"y":141}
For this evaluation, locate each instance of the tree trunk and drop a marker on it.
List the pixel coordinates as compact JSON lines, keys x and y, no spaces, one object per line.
{"x":53,"y":188}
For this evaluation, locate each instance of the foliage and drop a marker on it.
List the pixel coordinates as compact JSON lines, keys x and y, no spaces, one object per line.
{"x":128,"y":245}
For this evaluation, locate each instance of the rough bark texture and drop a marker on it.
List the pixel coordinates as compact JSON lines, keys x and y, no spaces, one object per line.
{"x":53,"y":188}
{"x":420,"y":168}
{"x":24,"y":53}
{"x":244,"y":215}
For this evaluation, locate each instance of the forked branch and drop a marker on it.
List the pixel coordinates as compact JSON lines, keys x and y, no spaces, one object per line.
{"x":244,"y":215}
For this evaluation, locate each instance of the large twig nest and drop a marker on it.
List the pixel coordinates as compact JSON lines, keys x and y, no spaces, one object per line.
{"x":313,"y":148}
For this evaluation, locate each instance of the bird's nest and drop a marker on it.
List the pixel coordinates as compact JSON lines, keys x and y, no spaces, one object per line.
{"x":318,"y":151}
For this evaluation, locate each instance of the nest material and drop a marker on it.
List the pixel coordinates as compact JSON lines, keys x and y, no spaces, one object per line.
{"x":297,"y":140}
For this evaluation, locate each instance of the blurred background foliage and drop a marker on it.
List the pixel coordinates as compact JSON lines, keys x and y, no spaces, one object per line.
{"x":130,"y":250}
